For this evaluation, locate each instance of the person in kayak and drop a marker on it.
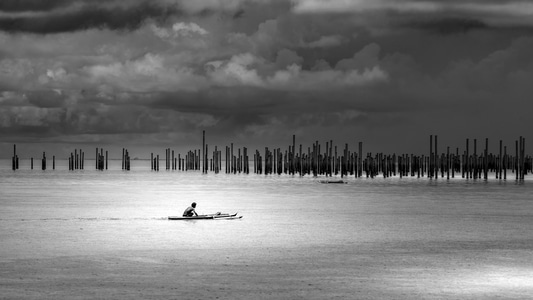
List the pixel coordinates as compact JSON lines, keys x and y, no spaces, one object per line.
{"x":190,"y":211}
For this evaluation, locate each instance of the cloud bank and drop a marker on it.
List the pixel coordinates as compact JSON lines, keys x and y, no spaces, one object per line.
{"x":158,"y":72}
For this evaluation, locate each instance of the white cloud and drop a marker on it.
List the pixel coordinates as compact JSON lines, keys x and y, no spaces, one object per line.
{"x":294,"y":78}
{"x":160,"y":32}
{"x":243,"y":70}
{"x":327,"y":41}
{"x":53,"y":76}
{"x":187,"y":29}
{"x":180,"y":29}
{"x":236,"y":71}
{"x":366,"y":76}
{"x":152,"y":72}
{"x":56,"y":74}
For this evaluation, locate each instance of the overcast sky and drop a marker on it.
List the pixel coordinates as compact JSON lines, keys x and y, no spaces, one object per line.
{"x":151,"y":74}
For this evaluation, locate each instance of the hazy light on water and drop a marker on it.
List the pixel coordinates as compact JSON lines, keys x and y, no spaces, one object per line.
{"x":491,"y":280}
{"x":454,"y":237}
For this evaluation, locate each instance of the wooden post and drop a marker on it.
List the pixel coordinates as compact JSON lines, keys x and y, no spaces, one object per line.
{"x":300,"y":164}
{"x":500,"y":163}
{"x":448,"y":163}
{"x":516,"y":159}
{"x":44,"y":161}
{"x":266,"y":160}
{"x":14,"y":164}
{"x":486,"y":160}
{"x":292,"y":166}
{"x":522,"y":157}
{"x":468,"y":160}
{"x":475,"y":159}
{"x":430,"y":173}
{"x":226,"y":160}
{"x":75,"y":160}
{"x":206,"y":147}
{"x":215,"y":160}
{"x":360,"y":164}
{"x":329,"y":158}
{"x":505,"y":163}
{"x":326,"y":159}
{"x":436,"y":165}
{"x":204,"y":153}
{"x":457,"y":162}
{"x":419,"y":167}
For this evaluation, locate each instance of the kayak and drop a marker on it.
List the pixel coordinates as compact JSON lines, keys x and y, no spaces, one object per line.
{"x":332,"y":181}
{"x":217,"y":216}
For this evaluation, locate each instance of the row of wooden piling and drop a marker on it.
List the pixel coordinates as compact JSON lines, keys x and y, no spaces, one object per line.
{"x":15,"y":161}
{"x":313,"y":161}
{"x":330,"y":160}
{"x":190,"y":162}
{"x":478,"y":166}
{"x":43,"y":162}
{"x":76,"y":160}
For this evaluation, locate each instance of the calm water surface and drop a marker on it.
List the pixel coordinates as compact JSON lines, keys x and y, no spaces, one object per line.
{"x":57,"y":212}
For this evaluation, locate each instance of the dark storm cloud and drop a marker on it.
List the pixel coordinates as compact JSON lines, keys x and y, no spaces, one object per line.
{"x":17,"y":131}
{"x":439,"y":16}
{"x":46,"y":99}
{"x":449,"y":25}
{"x":32,"y":5}
{"x":220,"y":101}
{"x":264,"y":71}
{"x":90,"y":15}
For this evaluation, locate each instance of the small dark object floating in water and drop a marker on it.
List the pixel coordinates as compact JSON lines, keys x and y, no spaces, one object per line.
{"x":332,"y":181}
{"x":217,"y":216}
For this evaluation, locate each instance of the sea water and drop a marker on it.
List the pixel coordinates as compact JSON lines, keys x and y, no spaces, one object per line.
{"x":58,"y":212}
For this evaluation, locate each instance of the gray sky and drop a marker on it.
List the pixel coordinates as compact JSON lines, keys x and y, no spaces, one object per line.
{"x":151,"y":74}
